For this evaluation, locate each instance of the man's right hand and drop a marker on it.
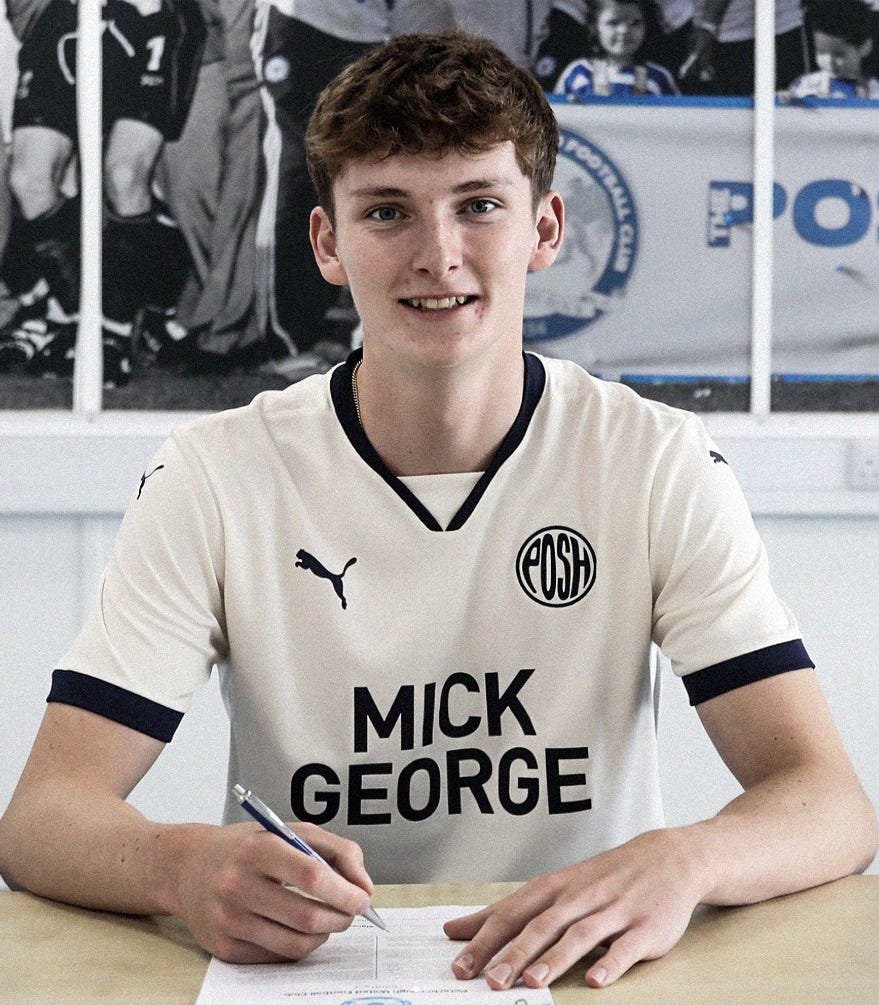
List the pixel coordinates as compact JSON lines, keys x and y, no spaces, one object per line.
{"x":248,"y":897}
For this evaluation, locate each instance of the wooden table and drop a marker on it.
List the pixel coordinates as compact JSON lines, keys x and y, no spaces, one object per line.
{"x":814,"y":948}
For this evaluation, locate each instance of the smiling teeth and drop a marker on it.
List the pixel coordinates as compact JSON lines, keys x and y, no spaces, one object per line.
{"x":435,"y":303}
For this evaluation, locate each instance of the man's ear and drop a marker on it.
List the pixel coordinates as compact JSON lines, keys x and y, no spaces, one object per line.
{"x":550,"y":231}
{"x":323,"y":244}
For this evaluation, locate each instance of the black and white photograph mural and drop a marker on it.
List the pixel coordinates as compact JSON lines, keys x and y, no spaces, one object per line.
{"x":209,"y":292}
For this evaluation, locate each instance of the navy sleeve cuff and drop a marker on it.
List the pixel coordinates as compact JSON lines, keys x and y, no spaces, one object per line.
{"x":741,"y":670}
{"x":114,"y":702}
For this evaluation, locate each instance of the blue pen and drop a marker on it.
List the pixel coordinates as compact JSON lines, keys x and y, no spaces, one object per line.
{"x":275,"y":825}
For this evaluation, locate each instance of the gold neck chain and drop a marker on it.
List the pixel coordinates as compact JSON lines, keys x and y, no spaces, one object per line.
{"x":354,"y":390}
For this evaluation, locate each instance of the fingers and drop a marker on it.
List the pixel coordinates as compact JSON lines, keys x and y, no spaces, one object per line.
{"x":543,"y":952}
{"x":343,"y":855}
{"x":623,"y":953}
{"x":522,"y":923}
{"x":464,"y":965}
{"x":519,"y":950}
{"x":622,"y":956}
{"x":308,"y":914}
{"x":278,"y":861}
{"x":636,"y":899}
{"x":248,"y":896}
{"x":323,"y":884}
{"x":467,"y":925}
{"x":507,"y":917}
{"x":254,"y":939}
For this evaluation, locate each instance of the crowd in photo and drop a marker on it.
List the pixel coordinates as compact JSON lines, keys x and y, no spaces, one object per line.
{"x":207,"y":265}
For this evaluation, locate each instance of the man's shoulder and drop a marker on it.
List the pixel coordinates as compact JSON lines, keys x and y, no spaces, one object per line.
{"x":581,"y":389}
{"x":611,"y":424}
{"x":265,"y":416}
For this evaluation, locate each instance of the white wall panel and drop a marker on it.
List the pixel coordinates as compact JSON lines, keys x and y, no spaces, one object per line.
{"x":39,"y":587}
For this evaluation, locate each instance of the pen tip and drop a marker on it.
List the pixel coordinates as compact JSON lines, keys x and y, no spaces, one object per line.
{"x":372,"y":915}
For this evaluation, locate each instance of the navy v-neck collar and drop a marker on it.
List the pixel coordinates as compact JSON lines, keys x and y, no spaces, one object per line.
{"x":343,"y":402}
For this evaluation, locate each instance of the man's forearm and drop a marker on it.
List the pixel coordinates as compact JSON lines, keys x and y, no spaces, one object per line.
{"x":69,"y":834}
{"x":791,"y":831}
{"x":96,"y":851}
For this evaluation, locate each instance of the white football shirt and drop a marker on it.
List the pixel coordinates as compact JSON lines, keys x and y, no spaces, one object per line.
{"x":470,"y":700}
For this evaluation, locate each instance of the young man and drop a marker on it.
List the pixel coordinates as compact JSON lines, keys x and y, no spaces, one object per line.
{"x":433,"y":576}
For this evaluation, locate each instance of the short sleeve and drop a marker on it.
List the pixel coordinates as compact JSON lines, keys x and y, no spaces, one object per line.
{"x":716,"y":615}
{"x":157,"y":627}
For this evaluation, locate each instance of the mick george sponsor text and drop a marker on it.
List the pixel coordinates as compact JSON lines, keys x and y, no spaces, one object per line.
{"x":462,"y":707}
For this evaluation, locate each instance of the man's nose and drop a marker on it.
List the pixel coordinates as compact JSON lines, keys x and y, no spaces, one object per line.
{"x":438,"y":248}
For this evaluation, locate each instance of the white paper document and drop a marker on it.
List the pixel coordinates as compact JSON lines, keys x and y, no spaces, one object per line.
{"x":410,"y":964}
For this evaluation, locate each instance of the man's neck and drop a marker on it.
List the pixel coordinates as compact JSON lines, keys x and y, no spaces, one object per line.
{"x":441,"y":423}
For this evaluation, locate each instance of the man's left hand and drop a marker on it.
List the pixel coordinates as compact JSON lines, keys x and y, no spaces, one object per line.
{"x":635,"y":900}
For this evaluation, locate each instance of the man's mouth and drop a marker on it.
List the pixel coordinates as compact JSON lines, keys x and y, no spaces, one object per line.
{"x":437,"y":303}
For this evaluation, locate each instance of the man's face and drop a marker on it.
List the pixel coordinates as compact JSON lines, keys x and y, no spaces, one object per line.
{"x":839,"y":58}
{"x":436,"y":251}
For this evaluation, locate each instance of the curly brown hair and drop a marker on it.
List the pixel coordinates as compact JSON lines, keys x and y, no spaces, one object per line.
{"x":430,"y":94}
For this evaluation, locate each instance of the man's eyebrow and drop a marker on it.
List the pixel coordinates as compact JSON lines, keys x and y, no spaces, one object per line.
{"x":379,"y":192}
{"x":478,"y":184}
{"x":392,"y":192}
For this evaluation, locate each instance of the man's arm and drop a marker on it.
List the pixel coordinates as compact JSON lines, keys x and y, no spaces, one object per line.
{"x":803,"y":819}
{"x":803,"y":807}
{"x":68,"y":834}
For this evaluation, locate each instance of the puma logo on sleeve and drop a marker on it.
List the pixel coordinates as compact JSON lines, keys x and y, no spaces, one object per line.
{"x":145,"y":475}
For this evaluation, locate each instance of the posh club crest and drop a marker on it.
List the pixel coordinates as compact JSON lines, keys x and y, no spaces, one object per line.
{"x":556,"y":566}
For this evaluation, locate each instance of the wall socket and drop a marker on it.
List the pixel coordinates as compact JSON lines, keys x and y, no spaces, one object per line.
{"x":863,"y":464}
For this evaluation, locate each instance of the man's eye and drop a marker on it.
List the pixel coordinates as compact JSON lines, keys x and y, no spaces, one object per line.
{"x":383,"y":214}
{"x":482,"y":206}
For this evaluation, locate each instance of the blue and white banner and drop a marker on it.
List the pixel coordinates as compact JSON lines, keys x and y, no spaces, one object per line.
{"x":655,"y":275}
